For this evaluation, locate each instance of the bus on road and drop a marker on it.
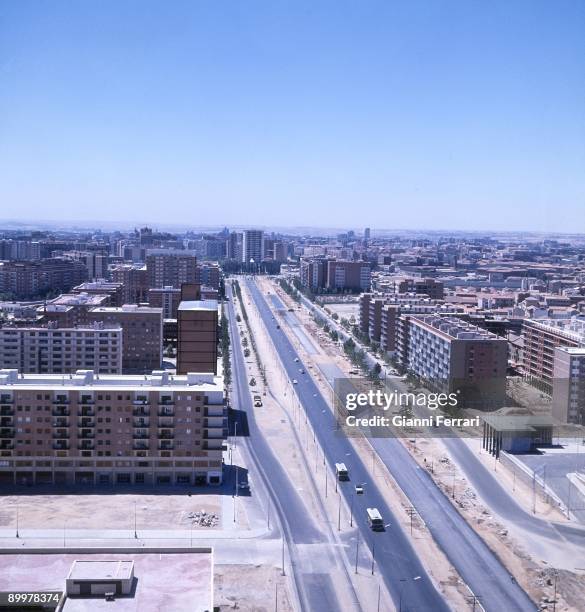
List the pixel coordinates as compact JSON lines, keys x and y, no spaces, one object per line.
{"x":375,"y":520}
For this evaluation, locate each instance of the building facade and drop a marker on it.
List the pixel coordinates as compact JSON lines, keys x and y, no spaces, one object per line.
{"x":541,"y":337}
{"x":171,"y":268}
{"x":48,"y":350}
{"x":109,"y":430}
{"x":253,"y":246}
{"x":453,"y":356}
{"x":197,"y":336}
{"x":569,"y":385}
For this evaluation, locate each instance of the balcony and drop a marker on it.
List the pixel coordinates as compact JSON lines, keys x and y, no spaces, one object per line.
{"x":86,"y":445}
{"x":215,"y":423}
{"x":141,"y":412}
{"x":6,"y":411}
{"x":213,"y":434}
{"x":166,"y":401}
{"x":140,"y":446}
{"x":167,"y":434}
{"x":61,"y":445}
{"x":60,"y":411}
{"x":7,"y":432}
{"x":166,"y":411}
{"x":61,"y":434}
{"x":213,"y":410}
{"x":61,"y":422}
{"x":213,"y":444}
{"x":6,"y":399}
{"x":166,"y":445}
{"x":6,"y":421}
{"x":141,"y":422}
{"x":85,"y":401}
{"x":87,"y":411}
{"x":140,"y":434}
{"x":166,"y":422}
{"x":86,"y":422}
{"x":86,"y":434}
{"x":61,"y":399}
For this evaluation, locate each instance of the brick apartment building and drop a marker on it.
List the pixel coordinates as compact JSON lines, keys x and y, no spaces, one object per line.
{"x":166,"y":298}
{"x":568,"y":394}
{"x":30,"y":279}
{"x":109,"y":430}
{"x":335,"y":275}
{"x":197,"y":336}
{"x":541,"y":337}
{"x":450,"y":355}
{"x":134,"y":281}
{"x":421,"y":286}
{"x":49,"y":350}
{"x":171,"y":268}
{"x":142,"y":333}
{"x":114,"y":291}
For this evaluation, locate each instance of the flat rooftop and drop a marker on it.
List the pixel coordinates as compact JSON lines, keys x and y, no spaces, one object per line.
{"x":456,"y":329}
{"x":521,"y":422}
{"x":164,"y":581}
{"x":93,"y":569}
{"x":198,"y":305}
{"x":85,"y":380}
{"x":128,"y":309}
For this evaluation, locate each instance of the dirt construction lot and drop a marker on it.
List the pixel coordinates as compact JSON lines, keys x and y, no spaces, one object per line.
{"x":103,"y":511}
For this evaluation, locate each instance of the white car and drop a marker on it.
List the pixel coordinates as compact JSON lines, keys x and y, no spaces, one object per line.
{"x":295,"y":381}
{"x":296,"y":359}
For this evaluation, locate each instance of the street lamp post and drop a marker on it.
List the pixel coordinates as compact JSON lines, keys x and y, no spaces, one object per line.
{"x":357,"y":547}
{"x":135,"y":532}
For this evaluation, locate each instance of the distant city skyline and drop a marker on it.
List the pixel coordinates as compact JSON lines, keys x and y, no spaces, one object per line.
{"x":451,"y":116}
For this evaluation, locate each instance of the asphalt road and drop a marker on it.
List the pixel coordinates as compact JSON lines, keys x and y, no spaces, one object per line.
{"x":483,"y":480}
{"x":398,"y":563}
{"x":296,"y":523}
{"x":468,"y":553}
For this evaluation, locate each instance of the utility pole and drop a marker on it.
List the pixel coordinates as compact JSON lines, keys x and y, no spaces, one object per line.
{"x":411,"y":512}
{"x":283,"y":572}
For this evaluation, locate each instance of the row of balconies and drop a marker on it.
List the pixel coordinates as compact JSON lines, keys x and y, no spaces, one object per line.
{"x":7,"y":432}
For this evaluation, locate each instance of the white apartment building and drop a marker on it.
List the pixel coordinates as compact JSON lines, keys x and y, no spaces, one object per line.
{"x":253,"y":246}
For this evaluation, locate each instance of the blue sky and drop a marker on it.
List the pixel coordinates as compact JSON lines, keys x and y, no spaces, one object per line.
{"x":416,"y":114}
